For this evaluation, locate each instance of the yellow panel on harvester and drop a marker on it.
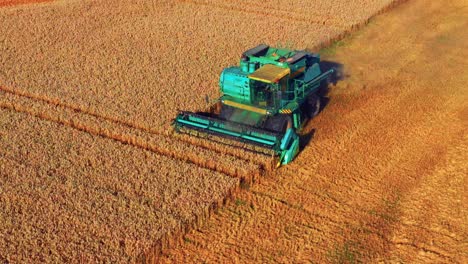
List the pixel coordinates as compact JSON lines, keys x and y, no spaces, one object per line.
{"x":269,"y":73}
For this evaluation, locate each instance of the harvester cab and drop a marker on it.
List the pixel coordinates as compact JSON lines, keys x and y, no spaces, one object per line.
{"x":264,"y":101}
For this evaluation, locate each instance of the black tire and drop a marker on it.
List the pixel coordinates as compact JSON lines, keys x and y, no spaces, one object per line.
{"x":278,"y":123}
{"x":313,"y":105}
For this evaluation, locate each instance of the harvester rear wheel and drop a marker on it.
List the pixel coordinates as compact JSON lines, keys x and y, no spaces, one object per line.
{"x":313,"y":105}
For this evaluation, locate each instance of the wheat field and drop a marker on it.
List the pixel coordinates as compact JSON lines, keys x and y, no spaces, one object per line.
{"x":92,"y":171}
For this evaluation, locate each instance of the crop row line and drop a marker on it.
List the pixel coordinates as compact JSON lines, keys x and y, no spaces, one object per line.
{"x":297,"y":207}
{"x":268,"y":13}
{"x":263,"y":6}
{"x":235,"y":151}
{"x":194,"y":158}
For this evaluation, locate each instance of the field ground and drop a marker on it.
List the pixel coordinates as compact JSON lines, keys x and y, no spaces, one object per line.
{"x":383,"y":178}
{"x":385,"y":175}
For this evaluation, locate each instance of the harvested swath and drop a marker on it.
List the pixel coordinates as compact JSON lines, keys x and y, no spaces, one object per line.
{"x":93,"y":200}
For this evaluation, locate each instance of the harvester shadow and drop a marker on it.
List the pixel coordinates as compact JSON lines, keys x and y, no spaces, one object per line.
{"x":323,"y":92}
{"x":304,"y":139}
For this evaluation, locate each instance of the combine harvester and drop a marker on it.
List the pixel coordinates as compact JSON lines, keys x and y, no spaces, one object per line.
{"x":265,"y":101}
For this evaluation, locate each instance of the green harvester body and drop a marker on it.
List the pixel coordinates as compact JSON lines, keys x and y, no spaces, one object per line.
{"x":264,"y":101}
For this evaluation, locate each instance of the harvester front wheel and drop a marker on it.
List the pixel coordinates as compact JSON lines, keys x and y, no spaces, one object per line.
{"x":278,"y":123}
{"x":226,"y":112}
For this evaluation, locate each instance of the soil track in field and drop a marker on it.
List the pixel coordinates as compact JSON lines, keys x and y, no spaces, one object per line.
{"x":385,"y":176}
{"x":20,"y":2}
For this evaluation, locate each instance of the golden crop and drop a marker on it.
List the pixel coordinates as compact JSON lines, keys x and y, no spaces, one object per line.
{"x":90,"y":169}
